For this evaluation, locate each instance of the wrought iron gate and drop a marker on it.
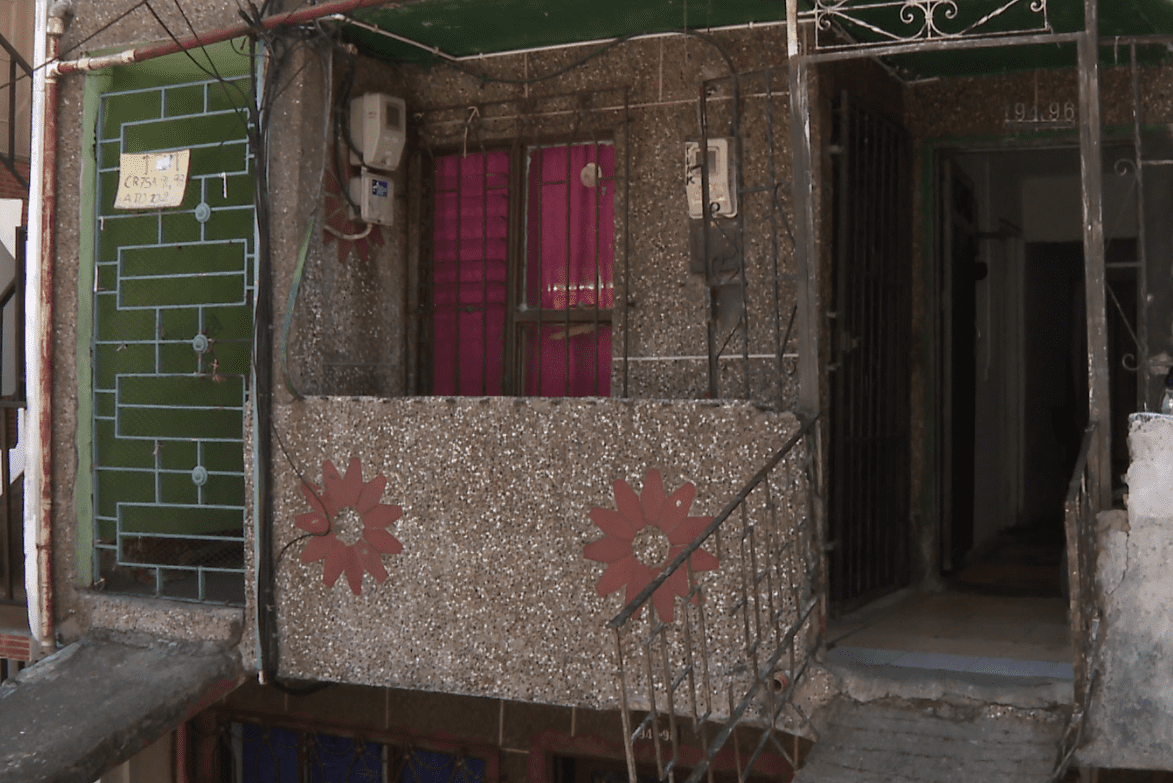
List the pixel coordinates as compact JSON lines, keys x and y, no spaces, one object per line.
{"x":868,"y":496}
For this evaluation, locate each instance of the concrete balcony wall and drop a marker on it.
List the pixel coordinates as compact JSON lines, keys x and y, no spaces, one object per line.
{"x":1130,"y":719}
{"x":491,"y":595}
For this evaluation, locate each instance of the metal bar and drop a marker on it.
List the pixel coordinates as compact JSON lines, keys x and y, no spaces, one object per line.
{"x":575,"y":316}
{"x":805,"y":250}
{"x":689,"y":660}
{"x":515,"y":271}
{"x":1091,"y":166}
{"x":940,"y":45}
{"x":1073,"y":525}
{"x":411,"y":288}
{"x":653,"y":711}
{"x":743,"y":705}
{"x":537,"y":341}
{"x":739,"y":184}
{"x":15,"y":57}
{"x":772,"y":175}
{"x":288,"y":19}
{"x":459,"y":252}
{"x":597,"y":283}
{"x":729,"y":508}
{"x":670,"y":708}
{"x":844,"y":157}
{"x":1142,"y":299}
{"x":706,"y":218}
{"x":626,"y":238}
{"x":624,"y":711}
{"x":566,"y":316}
{"x":484,"y":273}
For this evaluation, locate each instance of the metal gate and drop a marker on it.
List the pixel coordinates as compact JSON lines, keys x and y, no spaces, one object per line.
{"x":172,"y":335}
{"x":868,"y":494}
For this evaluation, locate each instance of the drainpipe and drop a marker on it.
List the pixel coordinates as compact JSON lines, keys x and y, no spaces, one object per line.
{"x":288,"y":19}
{"x":38,"y":521}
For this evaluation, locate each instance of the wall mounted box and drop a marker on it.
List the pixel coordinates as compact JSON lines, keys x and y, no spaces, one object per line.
{"x":374,"y":192}
{"x":378,"y":128}
{"x":722,"y":182}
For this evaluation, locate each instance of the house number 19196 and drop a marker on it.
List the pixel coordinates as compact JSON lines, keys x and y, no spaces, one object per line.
{"x":1040,"y":116}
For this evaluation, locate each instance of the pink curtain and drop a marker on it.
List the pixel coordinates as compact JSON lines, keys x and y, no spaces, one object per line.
{"x":469,"y":273}
{"x":569,"y":263}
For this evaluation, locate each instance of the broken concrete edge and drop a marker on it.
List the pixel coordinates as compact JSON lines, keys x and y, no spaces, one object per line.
{"x":962,"y":690}
{"x":73,"y":716}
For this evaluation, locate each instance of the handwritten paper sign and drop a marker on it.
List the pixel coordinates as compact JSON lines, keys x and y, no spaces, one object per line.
{"x":151,"y":180}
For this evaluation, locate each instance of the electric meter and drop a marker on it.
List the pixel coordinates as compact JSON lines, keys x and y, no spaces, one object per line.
{"x":374,"y":192}
{"x":722,"y":189}
{"x":378,"y":128}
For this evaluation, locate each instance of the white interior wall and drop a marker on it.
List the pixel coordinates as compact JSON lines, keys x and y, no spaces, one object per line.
{"x":1037,"y":193}
{"x":10,"y":212}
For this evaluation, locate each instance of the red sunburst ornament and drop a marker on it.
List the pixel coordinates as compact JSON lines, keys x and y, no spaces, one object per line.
{"x":643,"y":534}
{"x":337,"y":494}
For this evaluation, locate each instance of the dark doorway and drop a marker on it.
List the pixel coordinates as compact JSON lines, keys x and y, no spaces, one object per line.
{"x":1012,"y":335}
{"x":1055,"y":404}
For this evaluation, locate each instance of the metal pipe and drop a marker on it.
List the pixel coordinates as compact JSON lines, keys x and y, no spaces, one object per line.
{"x":596,"y":42}
{"x":289,"y":19}
{"x":1092,"y":175}
{"x":38,"y":518}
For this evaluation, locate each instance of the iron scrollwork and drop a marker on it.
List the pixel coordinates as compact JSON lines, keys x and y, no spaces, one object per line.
{"x":885,"y":22}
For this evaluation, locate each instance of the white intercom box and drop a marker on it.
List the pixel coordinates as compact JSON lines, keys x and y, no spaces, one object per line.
{"x":722,"y":182}
{"x":374,"y":192}
{"x":378,"y":128}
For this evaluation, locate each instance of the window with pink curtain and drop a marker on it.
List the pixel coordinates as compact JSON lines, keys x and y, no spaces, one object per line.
{"x":561,"y":289}
{"x":469,"y":273}
{"x":569,"y":260}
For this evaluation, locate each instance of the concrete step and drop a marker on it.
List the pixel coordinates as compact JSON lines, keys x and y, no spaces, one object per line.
{"x":922,"y":741}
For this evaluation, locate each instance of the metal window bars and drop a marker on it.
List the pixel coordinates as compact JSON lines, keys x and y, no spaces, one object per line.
{"x":552,"y":303}
{"x":18,"y":70}
{"x":747,"y":261}
{"x":172,"y":338}
{"x":742,"y":641}
{"x":248,"y":750}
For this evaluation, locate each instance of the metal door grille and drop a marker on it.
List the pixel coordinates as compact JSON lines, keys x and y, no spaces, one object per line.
{"x":172,"y":335}
{"x":868,"y":500}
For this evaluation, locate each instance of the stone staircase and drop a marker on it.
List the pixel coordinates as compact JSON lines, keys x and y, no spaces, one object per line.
{"x":908,"y":726}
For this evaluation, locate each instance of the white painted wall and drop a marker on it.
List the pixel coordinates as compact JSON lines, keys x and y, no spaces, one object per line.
{"x":10,"y":209}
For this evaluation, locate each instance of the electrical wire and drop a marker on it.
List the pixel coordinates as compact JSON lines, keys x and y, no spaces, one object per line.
{"x":485,"y":78}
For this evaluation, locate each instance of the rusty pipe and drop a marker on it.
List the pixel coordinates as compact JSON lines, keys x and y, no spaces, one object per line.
{"x":39,"y":338}
{"x":288,"y":19}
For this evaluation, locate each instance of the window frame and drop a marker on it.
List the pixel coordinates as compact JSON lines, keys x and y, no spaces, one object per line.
{"x":393,"y":744}
{"x":519,"y":317}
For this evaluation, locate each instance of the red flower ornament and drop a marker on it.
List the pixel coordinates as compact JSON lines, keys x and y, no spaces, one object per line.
{"x":633,"y":544}
{"x":337,"y":494}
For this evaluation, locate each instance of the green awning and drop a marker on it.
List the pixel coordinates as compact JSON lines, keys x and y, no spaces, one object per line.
{"x":470,"y":27}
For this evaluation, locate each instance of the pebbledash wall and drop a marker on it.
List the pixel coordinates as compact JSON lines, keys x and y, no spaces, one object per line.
{"x":491,"y":594}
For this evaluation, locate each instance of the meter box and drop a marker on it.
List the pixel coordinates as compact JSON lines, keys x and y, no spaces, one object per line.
{"x":722,"y":187}
{"x":378,"y":128}
{"x":374,"y":192}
